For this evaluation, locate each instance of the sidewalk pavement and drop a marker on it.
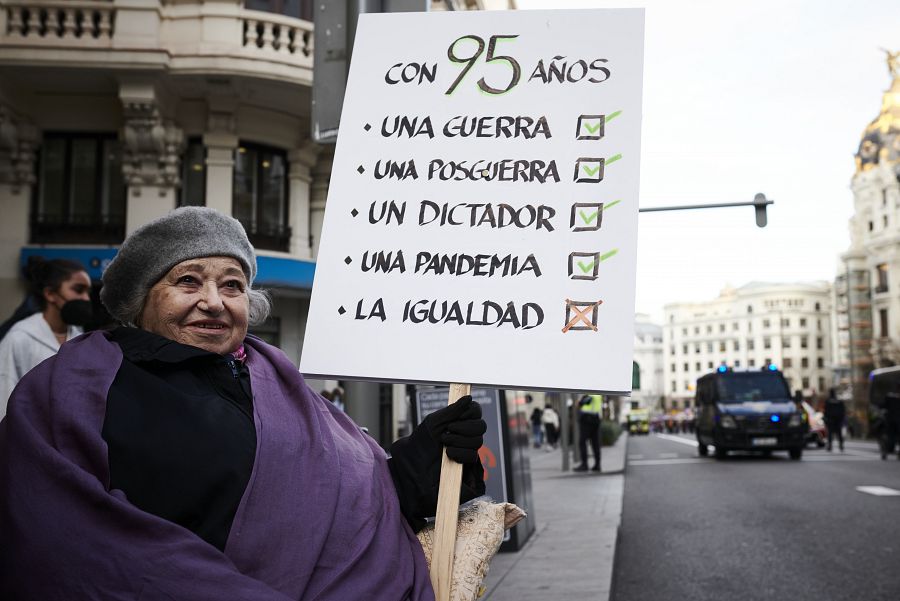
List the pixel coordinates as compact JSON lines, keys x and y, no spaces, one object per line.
{"x":570,"y":554}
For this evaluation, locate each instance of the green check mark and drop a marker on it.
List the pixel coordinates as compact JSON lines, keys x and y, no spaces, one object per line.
{"x":587,"y":267}
{"x":592,"y":129}
{"x":588,"y":218}
{"x":591,"y":171}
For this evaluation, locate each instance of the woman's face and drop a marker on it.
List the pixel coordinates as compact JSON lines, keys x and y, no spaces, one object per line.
{"x":201,"y":302}
{"x":76,"y":287}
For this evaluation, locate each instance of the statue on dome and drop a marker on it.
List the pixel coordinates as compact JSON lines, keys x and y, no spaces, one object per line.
{"x":893,"y":61}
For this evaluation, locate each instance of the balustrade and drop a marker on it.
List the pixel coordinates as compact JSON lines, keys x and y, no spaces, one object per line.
{"x":277,"y":35}
{"x":78,"y":23}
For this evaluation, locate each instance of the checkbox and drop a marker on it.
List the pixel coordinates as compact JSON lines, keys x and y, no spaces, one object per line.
{"x":584,"y":266}
{"x":590,"y":127}
{"x":589,"y":170}
{"x":586,"y":216}
{"x":577,"y":317}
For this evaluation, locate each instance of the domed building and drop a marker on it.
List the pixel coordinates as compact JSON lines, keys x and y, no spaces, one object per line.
{"x":866,"y":300}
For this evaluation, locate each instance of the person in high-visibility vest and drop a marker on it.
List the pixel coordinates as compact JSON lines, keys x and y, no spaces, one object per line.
{"x":589,"y":412}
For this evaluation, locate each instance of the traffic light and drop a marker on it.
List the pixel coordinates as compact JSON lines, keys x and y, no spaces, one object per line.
{"x":759,"y":205}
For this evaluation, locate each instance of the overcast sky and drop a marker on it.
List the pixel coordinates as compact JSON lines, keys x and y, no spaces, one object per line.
{"x":746,"y":97}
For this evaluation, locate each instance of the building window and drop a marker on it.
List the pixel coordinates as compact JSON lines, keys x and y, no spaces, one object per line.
{"x":767,"y":343}
{"x":686,"y":366}
{"x":673,"y":367}
{"x":80,"y":192}
{"x":697,"y":349}
{"x":734,"y":326}
{"x":721,"y":327}
{"x":819,"y":344}
{"x":698,"y":366}
{"x":709,"y":329}
{"x":684,"y":331}
{"x":882,"y":277}
{"x":788,"y":362}
{"x":193,"y":175}
{"x":818,"y":307}
{"x":749,"y":309}
{"x":821,"y":383}
{"x":786,"y":322}
{"x":260,"y":195}
{"x":785,"y":342}
{"x":804,"y":362}
{"x":751,"y":362}
{"x":299,"y":9}
{"x":883,"y":323}
{"x":736,"y":344}
{"x":820,"y":363}
{"x":696,"y":329}
{"x":674,"y":388}
{"x":802,"y":322}
{"x":709,"y":365}
{"x":750,"y":344}
{"x":737,"y":362}
{"x":709,"y":347}
{"x":722,"y":346}
{"x":871,"y":226}
{"x":672,"y":350}
{"x":804,"y":382}
{"x":804,"y":342}
{"x":684,"y":349}
{"x":766,"y":324}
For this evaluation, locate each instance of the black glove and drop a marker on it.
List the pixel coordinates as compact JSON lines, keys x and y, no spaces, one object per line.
{"x":459,"y":428}
{"x":416,"y":460}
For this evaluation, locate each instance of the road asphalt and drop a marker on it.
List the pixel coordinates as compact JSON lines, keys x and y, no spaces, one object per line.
{"x":570,"y":555}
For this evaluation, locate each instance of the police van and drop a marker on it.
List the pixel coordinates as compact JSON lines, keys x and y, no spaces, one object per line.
{"x":743,"y":410}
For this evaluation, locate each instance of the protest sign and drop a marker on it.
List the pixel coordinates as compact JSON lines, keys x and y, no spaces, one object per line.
{"x":481,"y":221}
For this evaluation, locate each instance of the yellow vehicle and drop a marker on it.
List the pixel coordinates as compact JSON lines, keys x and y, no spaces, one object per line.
{"x":639,"y":421}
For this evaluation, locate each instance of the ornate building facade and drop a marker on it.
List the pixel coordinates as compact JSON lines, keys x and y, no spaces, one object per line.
{"x":867,"y":304}
{"x":788,"y":325}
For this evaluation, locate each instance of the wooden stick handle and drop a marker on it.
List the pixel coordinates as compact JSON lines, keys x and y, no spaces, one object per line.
{"x":447,"y":514}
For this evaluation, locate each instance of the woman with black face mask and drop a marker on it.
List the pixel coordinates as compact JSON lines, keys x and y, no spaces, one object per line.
{"x":61,"y":289}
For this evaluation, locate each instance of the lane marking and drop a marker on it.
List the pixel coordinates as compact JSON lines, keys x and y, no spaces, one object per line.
{"x":669,"y":461}
{"x":879,"y":491}
{"x":668,"y":455}
{"x":669,"y":437}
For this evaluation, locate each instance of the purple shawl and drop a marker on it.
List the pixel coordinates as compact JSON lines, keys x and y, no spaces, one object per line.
{"x":319,"y":519}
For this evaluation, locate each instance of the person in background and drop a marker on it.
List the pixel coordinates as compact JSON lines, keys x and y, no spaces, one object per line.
{"x":337,"y":397}
{"x":61,"y":289}
{"x":834,"y":419}
{"x":179,"y":457}
{"x":537,"y":427}
{"x":550,"y":418}
{"x":589,"y":414}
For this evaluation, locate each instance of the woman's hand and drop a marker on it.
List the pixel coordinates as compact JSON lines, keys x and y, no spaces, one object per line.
{"x":459,"y":428}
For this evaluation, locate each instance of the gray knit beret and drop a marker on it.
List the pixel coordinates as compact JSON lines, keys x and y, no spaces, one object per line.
{"x":153,"y":249}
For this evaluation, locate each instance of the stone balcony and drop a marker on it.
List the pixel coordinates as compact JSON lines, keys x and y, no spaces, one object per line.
{"x":182,"y":38}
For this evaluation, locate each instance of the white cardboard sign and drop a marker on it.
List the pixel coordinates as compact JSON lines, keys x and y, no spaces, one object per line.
{"x":481,"y":222}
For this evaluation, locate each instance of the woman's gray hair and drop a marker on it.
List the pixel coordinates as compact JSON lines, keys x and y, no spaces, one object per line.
{"x":260,"y":307}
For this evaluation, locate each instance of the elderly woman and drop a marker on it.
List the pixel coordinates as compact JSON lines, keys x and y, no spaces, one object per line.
{"x":178,"y":457}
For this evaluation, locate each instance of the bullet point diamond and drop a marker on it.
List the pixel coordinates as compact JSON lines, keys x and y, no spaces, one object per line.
{"x":342,"y":310}
{"x":348,"y":260}
{"x":367,"y":127}
{"x":360,"y":169}
{"x":354,"y":212}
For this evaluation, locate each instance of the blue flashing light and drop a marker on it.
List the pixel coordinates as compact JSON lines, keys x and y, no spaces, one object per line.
{"x":776,"y":418}
{"x":773,"y":367}
{"x":722,"y":369}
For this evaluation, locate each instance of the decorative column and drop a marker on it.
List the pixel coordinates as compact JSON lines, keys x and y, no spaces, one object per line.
{"x":321,"y":175}
{"x":221,"y":141}
{"x":18,"y":142}
{"x":302,"y":160}
{"x":151,"y":156}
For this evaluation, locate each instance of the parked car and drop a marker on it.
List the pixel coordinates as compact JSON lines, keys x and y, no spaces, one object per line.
{"x":818,"y":433}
